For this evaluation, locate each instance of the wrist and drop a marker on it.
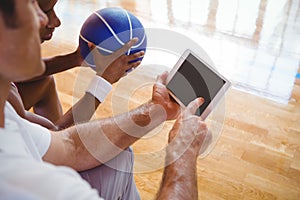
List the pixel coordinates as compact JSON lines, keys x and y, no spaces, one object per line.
{"x":142,"y":120}
{"x":156,"y":112}
{"x":99,"y":88}
{"x":107,"y":78}
{"x":181,"y":157}
{"x":77,"y":58}
{"x":149,"y":113}
{"x":181,"y":147}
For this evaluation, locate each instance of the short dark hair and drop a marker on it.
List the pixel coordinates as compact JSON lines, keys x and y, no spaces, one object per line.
{"x":7,"y":11}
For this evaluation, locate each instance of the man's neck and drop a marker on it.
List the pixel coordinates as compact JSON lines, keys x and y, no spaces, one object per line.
{"x":4,"y":88}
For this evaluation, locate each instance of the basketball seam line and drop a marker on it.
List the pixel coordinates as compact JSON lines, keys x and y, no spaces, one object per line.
{"x":107,"y":50}
{"x":109,"y":28}
{"x":130,"y":30}
{"x":140,"y":43}
{"x":98,"y":47}
{"x":114,"y":34}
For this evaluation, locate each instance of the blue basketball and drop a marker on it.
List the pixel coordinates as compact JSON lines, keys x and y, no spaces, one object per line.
{"x":109,"y":29}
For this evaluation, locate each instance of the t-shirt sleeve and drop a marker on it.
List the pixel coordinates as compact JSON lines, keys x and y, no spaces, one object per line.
{"x":40,"y":135}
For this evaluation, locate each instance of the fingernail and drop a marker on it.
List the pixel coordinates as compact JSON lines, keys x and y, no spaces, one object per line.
{"x":91,"y":45}
{"x":201,"y":99}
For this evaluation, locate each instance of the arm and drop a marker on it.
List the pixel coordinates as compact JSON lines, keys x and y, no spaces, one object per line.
{"x":62,"y":63}
{"x":90,"y":144}
{"x":82,"y":111}
{"x":15,"y":100}
{"x":185,"y":140}
{"x":111,"y":68}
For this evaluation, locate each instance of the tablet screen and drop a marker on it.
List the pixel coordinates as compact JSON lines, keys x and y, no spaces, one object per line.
{"x":194,"y":79}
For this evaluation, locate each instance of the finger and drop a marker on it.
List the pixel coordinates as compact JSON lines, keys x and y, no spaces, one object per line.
{"x":162,"y":79}
{"x":131,"y":42}
{"x":94,"y":51}
{"x":91,"y":46}
{"x":126,"y":47}
{"x":133,"y":65}
{"x":195,"y":104}
{"x":135,"y":56}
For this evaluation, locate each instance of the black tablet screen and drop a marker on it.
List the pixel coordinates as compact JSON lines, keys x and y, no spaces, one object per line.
{"x":193,"y":79}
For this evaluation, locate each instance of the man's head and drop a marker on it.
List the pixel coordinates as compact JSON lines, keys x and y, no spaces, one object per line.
{"x":47,"y":7}
{"x":20,"y":55}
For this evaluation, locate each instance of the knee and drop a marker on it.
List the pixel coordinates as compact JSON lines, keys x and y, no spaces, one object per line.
{"x":47,"y":88}
{"x":45,"y":85}
{"x":49,"y":83}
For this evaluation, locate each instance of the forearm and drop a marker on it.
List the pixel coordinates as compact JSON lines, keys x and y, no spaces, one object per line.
{"x":82,"y":111}
{"x":91,"y":144}
{"x":179,"y":178}
{"x":61,"y":63}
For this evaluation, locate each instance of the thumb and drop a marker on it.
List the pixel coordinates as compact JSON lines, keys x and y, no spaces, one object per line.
{"x":93,"y":49}
{"x":126,"y":47}
{"x":91,"y":46}
{"x":162,"y":79}
{"x":194,"y":105}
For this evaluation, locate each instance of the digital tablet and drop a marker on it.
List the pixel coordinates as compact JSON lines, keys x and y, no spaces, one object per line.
{"x":192,"y":77}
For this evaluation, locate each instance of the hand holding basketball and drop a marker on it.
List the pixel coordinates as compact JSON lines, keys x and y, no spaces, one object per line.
{"x":114,"y":66}
{"x":111,"y":29}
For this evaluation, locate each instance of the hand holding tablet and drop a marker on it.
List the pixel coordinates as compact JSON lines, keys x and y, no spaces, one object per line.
{"x":192,"y":77}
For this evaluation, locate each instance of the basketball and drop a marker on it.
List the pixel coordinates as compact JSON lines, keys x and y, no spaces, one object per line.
{"x":109,"y":29}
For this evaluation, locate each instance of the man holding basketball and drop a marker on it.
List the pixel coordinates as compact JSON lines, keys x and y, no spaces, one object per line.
{"x":40,"y":92}
{"x":78,"y":146}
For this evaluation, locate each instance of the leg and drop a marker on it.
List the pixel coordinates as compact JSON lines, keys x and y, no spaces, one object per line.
{"x":114,"y":180}
{"x":42,"y":96}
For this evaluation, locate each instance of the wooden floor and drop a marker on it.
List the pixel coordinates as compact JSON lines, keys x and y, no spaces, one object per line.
{"x":257,"y":155}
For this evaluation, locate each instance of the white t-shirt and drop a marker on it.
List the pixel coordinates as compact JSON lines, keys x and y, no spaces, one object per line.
{"x":22,"y":145}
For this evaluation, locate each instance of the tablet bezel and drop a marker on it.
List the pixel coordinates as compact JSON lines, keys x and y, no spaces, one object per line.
{"x":219,"y":94}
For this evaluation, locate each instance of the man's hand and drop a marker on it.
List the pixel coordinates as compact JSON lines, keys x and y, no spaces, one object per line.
{"x":189,"y":130}
{"x":185,"y":141}
{"x":161,"y":97}
{"x":114,"y":66}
